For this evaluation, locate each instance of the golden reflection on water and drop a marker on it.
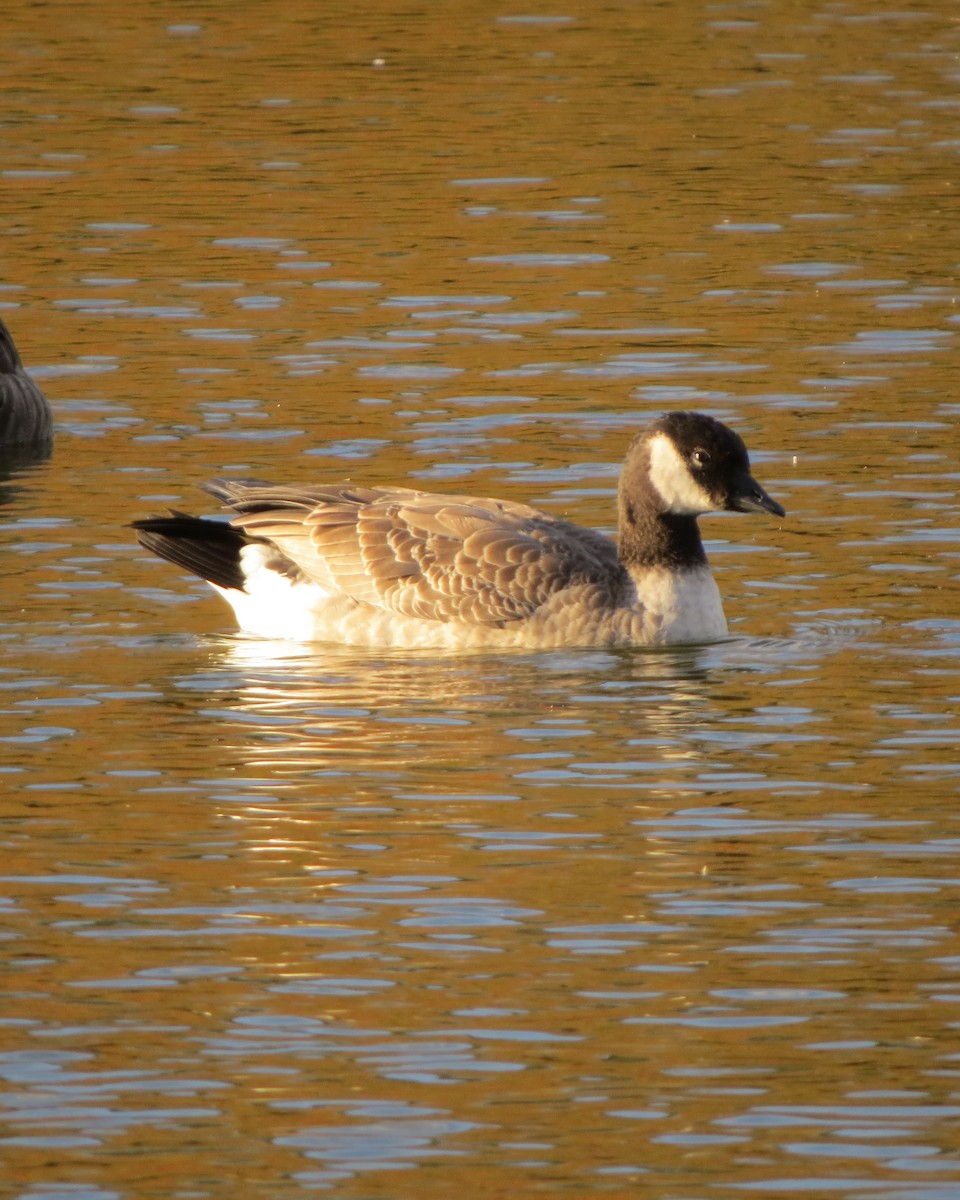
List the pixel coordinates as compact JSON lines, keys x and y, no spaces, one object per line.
{"x":283,"y":920}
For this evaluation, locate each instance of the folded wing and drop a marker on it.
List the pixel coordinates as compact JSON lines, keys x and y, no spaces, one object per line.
{"x":440,"y":558}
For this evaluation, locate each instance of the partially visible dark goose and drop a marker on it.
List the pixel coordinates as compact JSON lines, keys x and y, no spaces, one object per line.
{"x":25,"y":416}
{"x":390,"y":566}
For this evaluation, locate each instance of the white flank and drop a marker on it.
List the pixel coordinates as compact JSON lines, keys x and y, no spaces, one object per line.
{"x":272,"y":605}
{"x":670,"y":475}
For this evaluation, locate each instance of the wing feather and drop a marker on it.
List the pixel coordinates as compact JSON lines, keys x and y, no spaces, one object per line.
{"x":440,"y":558}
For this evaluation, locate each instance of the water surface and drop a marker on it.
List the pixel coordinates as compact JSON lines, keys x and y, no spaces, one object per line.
{"x":675,"y":923}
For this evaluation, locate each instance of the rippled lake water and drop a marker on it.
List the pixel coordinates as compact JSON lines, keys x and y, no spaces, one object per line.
{"x":678,"y":923}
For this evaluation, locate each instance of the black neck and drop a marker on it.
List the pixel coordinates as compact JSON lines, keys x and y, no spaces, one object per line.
{"x":649,"y":539}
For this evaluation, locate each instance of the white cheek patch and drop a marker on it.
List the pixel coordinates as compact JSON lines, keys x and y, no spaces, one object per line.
{"x":670,"y":475}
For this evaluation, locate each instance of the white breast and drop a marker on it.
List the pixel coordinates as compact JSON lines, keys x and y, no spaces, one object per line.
{"x":680,"y":606}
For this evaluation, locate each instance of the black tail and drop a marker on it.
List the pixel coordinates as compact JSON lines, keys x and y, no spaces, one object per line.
{"x":210,"y":549}
{"x":25,"y":415}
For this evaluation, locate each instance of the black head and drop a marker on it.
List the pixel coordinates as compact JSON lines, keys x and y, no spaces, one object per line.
{"x":697,"y":464}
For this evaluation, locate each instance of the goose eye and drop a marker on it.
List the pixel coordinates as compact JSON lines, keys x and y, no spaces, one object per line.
{"x":700,"y":458}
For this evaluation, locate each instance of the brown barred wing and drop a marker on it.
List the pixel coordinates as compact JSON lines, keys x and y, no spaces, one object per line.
{"x":439,"y":558}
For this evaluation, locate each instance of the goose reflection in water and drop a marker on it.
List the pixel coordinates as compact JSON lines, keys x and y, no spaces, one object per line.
{"x":285,"y":707}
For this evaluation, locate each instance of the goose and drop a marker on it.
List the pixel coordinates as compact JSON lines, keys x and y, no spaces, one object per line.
{"x":25,"y":416}
{"x":395,"y":567}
